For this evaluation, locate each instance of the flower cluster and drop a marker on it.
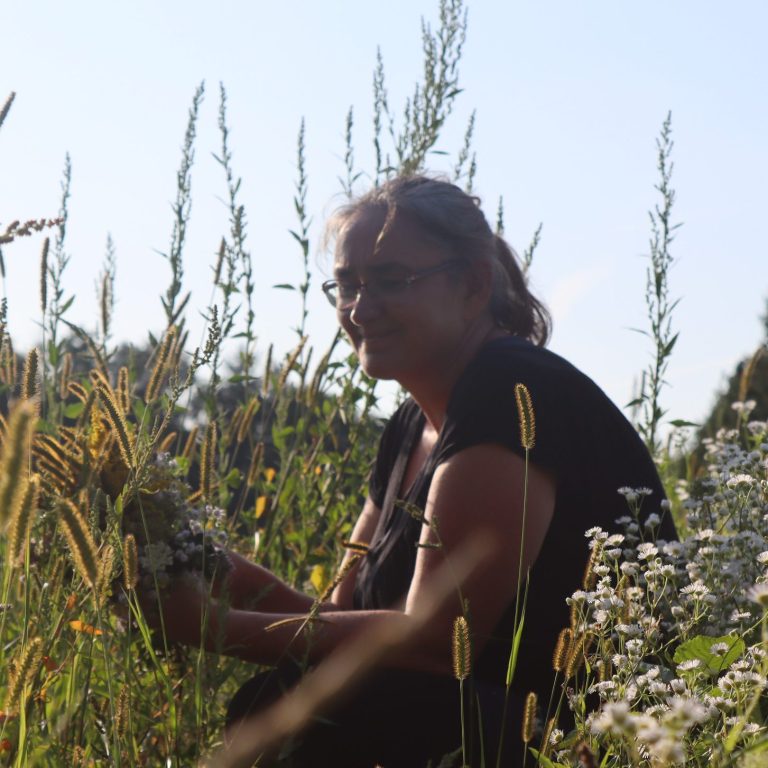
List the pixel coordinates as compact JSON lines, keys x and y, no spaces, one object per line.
{"x":173,"y":533}
{"x":677,"y":630}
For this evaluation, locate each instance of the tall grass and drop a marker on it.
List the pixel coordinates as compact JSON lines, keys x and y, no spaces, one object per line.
{"x":94,"y":435}
{"x":285,"y":453}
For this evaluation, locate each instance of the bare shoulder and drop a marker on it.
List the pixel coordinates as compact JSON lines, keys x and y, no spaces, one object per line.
{"x":488,"y":490}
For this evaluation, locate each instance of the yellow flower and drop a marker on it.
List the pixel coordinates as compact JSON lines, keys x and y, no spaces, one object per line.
{"x":88,"y":629}
{"x":318,"y":577}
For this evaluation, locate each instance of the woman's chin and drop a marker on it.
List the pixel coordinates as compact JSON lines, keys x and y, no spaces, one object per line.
{"x":377,"y":366}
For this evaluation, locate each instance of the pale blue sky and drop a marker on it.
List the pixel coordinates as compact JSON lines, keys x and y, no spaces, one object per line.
{"x":569,"y":98}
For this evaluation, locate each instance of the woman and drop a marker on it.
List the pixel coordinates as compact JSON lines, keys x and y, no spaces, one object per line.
{"x":429,"y":296}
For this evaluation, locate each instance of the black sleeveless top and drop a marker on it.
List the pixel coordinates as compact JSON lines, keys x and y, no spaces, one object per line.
{"x":581,"y":436}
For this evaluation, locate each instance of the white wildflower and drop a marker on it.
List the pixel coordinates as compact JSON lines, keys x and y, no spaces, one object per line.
{"x":646,"y":551}
{"x":652,"y":520}
{"x":758,"y":593}
{"x":742,"y":479}
{"x":615,"y":718}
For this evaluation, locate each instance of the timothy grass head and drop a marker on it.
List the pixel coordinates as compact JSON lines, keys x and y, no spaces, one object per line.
{"x":462,"y":653}
{"x":526,"y":416}
{"x":15,"y":459}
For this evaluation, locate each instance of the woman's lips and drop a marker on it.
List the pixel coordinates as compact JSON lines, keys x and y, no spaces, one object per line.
{"x":375,"y":337}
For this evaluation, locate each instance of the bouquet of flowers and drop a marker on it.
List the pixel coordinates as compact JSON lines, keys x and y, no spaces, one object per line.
{"x":94,"y":465}
{"x":175,"y":531}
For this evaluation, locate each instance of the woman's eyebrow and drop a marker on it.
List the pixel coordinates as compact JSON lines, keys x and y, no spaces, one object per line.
{"x":383,"y":268}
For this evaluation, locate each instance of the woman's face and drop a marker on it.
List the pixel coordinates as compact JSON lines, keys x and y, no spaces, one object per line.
{"x":415,"y":332}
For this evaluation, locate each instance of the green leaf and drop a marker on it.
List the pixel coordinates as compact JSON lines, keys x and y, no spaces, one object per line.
{"x":515,"y":651}
{"x":683,"y":423}
{"x":543,"y":760}
{"x":73,"y":410}
{"x":699,"y":648}
{"x":67,"y":304}
{"x":285,"y":286}
{"x":233,"y":478}
{"x":182,"y":466}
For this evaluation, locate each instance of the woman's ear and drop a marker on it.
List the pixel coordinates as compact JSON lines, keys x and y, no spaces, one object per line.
{"x":478,"y":279}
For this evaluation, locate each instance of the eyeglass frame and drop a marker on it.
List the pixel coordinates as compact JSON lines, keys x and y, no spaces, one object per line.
{"x":404,"y":283}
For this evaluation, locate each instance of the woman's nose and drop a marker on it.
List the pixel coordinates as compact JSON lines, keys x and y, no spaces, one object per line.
{"x":364,"y":307}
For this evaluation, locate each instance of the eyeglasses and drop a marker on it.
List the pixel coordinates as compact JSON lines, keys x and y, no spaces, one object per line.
{"x":342,"y":294}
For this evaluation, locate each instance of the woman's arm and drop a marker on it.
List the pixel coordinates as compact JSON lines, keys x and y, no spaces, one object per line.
{"x":481,"y":490}
{"x":249,"y":586}
{"x":478,"y":491}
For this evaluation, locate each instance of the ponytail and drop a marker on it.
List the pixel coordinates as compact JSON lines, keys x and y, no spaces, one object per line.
{"x":513,"y":307}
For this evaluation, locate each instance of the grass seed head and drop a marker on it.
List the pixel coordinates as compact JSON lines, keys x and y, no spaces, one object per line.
{"x":189,"y":445}
{"x":253,"y":469}
{"x":525,"y":416}
{"x":24,"y":673}
{"x":123,"y":390}
{"x":290,"y":363}
{"x":462,"y":652}
{"x":29,"y":377}
{"x":122,"y":710}
{"x":208,"y":460}
{"x":80,"y":540}
{"x":16,"y":452}
{"x":529,"y":717}
{"x":165,"y":445}
{"x":161,"y":366}
{"x":245,"y":423}
{"x":130,"y":562}
{"x":550,"y":726}
{"x":117,"y":422}
{"x":562,"y":648}
{"x":66,"y":372}
{"x":44,"y":275}
{"x":106,"y":566}
{"x":590,"y":577}
{"x":22,"y":519}
{"x":267,"y":378}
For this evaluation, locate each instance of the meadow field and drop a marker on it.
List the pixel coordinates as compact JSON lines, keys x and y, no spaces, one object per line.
{"x":123,"y":468}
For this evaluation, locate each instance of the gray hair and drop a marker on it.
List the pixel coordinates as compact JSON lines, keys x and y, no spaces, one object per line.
{"x":454,"y":220}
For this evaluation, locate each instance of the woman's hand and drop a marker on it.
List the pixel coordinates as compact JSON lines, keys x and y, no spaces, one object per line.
{"x":182,"y":611}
